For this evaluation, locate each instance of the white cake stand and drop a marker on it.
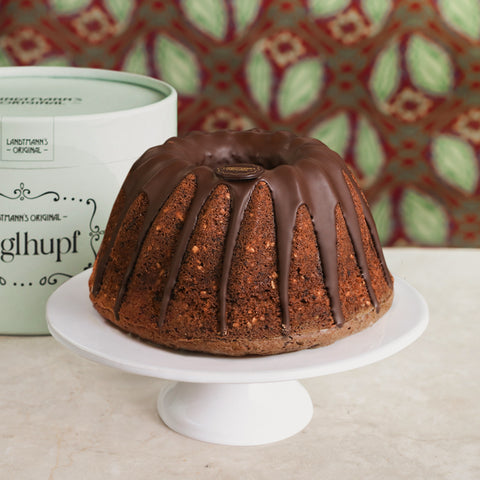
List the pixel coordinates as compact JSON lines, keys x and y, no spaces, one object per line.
{"x":231,"y":401}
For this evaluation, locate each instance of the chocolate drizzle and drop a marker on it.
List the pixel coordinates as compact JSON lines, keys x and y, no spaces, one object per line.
{"x":297,"y":171}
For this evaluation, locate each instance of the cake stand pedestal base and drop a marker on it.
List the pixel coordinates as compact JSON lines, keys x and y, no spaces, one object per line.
{"x":236,"y":414}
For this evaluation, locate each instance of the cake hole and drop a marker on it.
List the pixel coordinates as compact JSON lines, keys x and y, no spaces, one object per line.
{"x":227,"y":159}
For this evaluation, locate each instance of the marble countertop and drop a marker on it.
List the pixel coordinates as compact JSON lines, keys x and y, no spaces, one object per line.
{"x":415,"y":415}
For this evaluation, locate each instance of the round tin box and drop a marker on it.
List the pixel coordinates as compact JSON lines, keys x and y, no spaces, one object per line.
{"x":68,"y":137}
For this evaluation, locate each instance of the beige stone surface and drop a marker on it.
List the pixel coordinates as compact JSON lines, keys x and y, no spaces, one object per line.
{"x":415,"y":415}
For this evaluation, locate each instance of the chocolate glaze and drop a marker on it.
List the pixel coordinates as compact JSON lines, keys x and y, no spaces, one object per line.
{"x":297,"y":170}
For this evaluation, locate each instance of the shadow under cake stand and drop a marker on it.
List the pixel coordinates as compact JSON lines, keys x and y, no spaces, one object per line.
{"x":231,"y":401}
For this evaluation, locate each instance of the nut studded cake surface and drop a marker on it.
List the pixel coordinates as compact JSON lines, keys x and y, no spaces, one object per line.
{"x":240,"y":260}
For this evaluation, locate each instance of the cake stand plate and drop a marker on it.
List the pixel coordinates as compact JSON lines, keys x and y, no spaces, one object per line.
{"x":231,"y":401}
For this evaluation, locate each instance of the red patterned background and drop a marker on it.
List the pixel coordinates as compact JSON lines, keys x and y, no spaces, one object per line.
{"x":393,"y":86}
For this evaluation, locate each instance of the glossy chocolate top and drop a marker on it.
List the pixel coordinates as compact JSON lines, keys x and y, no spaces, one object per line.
{"x":297,"y":170}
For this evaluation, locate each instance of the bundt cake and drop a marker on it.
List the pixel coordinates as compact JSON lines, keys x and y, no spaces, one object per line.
{"x":240,"y":243}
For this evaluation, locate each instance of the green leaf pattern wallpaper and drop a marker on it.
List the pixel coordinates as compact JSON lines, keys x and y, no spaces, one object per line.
{"x":391,"y":85}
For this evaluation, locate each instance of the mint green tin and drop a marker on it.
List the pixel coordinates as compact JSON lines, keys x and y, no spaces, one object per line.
{"x":68,"y":137}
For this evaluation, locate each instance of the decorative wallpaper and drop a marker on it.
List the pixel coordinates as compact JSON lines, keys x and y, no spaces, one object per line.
{"x":392,"y":86}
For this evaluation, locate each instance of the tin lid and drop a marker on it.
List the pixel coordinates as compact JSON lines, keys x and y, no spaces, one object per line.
{"x":70,"y":91}
{"x":56,"y":117}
